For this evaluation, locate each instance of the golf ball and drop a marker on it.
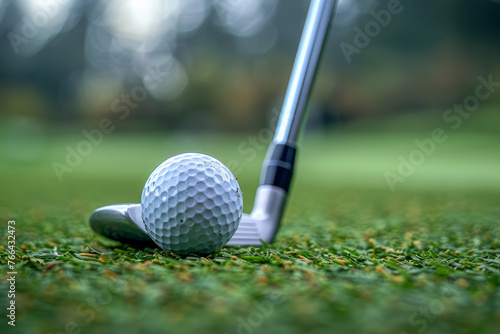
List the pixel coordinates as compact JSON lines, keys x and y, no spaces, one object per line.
{"x":191,"y":203}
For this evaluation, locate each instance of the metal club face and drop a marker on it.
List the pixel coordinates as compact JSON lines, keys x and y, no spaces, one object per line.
{"x":123,"y":222}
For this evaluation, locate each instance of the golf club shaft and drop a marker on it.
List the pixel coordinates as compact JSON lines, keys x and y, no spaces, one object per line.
{"x":304,"y":69}
{"x":278,"y":166}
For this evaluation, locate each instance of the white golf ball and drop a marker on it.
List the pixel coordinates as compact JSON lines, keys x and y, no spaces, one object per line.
{"x":191,"y":203}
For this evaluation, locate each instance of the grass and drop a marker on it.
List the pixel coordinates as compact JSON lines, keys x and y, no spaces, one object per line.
{"x":351,"y":256}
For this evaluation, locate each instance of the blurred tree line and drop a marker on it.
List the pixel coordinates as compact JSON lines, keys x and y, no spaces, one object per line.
{"x":428,"y":56}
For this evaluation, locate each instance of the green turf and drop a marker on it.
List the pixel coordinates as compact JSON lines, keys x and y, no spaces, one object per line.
{"x":351,"y":256}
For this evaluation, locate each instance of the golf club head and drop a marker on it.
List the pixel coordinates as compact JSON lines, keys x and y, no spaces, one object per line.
{"x":124,"y":223}
{"x":121,"y":222}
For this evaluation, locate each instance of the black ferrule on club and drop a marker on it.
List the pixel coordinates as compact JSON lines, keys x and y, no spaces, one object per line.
{"x":278,"y":166}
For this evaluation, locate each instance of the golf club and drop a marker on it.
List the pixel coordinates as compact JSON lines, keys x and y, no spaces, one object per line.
{"x":123,"y":222}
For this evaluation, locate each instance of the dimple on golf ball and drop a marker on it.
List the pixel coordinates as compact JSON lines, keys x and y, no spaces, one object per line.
{"x":191,"y":203}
